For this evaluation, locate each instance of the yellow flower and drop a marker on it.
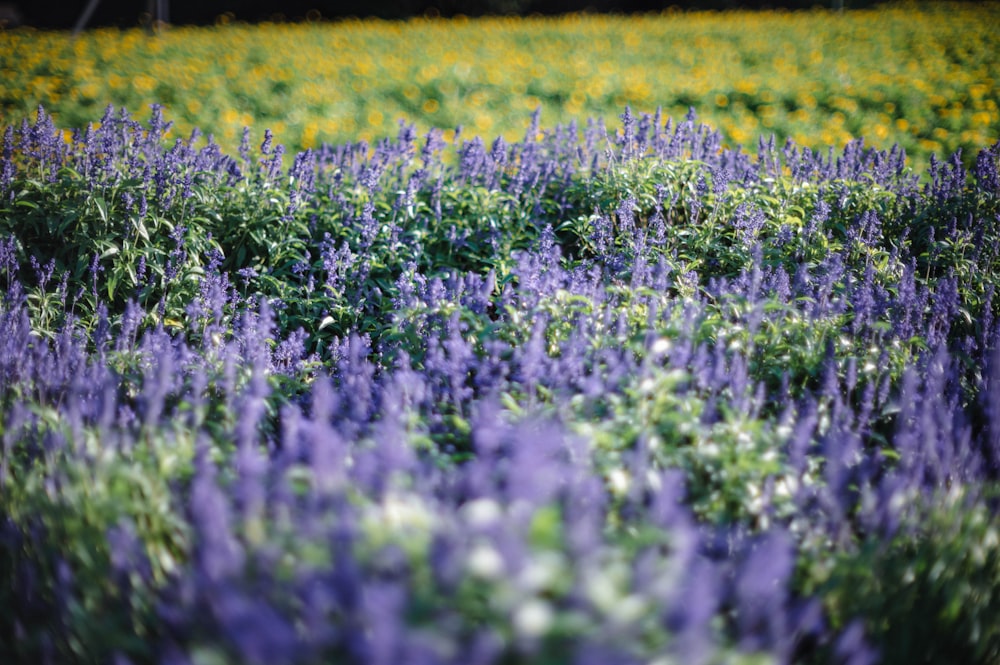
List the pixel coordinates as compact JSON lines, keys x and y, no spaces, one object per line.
{"x":868,"y":70}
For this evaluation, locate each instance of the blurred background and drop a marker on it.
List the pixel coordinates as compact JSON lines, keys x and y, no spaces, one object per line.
{"x":920,"y":75}
{"x":129,"y":13}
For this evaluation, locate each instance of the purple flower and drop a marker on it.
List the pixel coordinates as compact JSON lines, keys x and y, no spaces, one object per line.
{"x":258,"y":632}
{"x":627,"y":140}
{"x":762,"y":591}
{"x":220,"y":555}
{"x":987,"y":169}
{"x":852,"y":648}
{"x":7,"y":155}
{"x":749,"y":222}
{"x":691,"y":612}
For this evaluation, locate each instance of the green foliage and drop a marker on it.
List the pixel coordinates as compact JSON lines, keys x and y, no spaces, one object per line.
{"x":348,"y":262}
{"x":65,"y":560}
{"x":929,"y":595}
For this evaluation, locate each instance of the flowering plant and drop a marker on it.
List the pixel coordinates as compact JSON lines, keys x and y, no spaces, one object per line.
{"x":624,"y":397}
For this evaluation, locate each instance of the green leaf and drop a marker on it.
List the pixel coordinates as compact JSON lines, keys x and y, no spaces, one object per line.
{"x":67,"y":221}
{"x":140,"y":228}
{"x":102,"y":208}
{"x":545,"y":529}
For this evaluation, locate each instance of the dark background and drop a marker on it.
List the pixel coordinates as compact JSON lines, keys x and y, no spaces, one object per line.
{"x":130,"y":13}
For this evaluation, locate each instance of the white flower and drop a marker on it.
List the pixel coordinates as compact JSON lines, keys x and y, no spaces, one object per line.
{"x":485,"y":562}
{"x":660,"y":346}
{"x":619,"y":481}
{"x":604,"y":586}
{"x":481,"y":512}
{"x":533,"y":618}
{"x":406,"y":511}
{"x":628,"y":610}
{"x":541,"y":571}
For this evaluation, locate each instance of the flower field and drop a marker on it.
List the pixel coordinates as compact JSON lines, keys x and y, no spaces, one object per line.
{"x":923,"y":76}
{"x":611,"y":391}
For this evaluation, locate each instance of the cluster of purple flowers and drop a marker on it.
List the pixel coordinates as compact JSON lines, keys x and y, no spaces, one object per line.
{"x":592,"y":398}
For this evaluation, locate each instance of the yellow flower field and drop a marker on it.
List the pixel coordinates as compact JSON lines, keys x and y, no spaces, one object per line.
{"x":925,"y":76}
